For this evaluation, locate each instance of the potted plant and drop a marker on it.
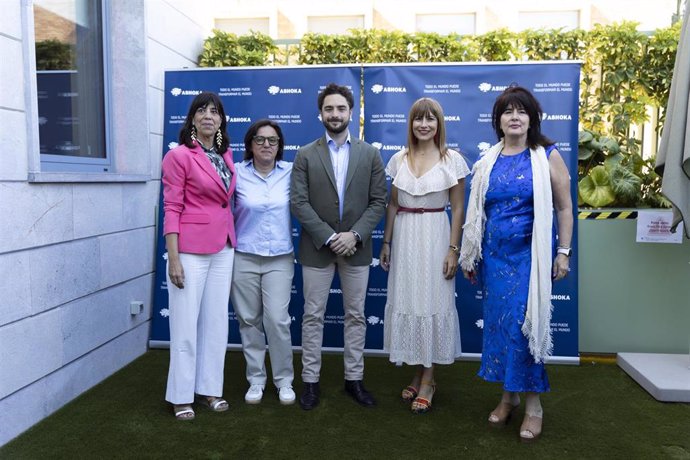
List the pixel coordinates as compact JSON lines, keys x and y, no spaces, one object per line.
{"x":611,"y":175}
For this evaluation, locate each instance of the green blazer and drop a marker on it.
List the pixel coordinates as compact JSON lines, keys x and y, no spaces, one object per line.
{"x":314,"y":200}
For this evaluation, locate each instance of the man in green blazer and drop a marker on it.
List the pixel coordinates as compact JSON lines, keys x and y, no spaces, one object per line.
{"x":338,"y":195}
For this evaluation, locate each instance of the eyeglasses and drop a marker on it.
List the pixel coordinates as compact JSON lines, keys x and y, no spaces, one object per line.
{"x":259,"y":140}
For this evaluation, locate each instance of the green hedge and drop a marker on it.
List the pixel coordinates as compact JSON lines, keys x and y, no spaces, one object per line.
{"x":624,"y":73}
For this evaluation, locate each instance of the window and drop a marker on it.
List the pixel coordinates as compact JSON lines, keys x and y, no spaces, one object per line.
{"x":71,"y":86}
{"x":243,"y":26}
{"x":568,"y":20}
{"x":334,"y":24}
{"x":444,"y":24}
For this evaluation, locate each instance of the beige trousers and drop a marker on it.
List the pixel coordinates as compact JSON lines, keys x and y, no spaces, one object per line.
{"x":317,"y":286}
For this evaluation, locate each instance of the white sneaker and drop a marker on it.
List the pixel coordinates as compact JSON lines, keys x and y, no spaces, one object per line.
{"x":286,"y":395}
{"x":254,"y":394}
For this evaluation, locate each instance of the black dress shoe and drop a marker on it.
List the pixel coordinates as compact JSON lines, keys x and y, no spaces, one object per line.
{"x":356,"y":389}
{"x":310,"y":396}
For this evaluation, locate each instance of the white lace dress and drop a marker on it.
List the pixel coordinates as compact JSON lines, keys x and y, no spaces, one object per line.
{"x":421,"y":321}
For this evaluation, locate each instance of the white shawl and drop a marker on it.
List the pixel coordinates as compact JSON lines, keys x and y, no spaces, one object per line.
{"x":537,"y":325}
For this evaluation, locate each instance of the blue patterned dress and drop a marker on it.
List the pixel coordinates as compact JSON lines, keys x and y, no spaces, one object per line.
{"x":506,"y":262}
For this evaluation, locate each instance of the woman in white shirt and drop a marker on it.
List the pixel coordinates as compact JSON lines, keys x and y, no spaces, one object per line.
{"x":264,"y":261}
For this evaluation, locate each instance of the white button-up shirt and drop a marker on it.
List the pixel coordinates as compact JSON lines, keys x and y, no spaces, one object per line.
{"x":340,"y":157}
{"x":262,"y":210}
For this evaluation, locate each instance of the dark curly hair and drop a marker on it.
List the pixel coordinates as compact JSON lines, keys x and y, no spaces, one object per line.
{"x":333,"y":88}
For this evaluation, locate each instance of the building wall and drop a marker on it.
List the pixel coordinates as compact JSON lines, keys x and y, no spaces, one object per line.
{"x":75,"y":251}
{"x":290,"y":20}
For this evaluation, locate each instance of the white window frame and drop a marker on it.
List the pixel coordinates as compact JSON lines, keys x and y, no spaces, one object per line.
{"x":524,"y":23}
{"x":318,"y":17}
{"x":469,"y":15}
{"x":265,"y":20}
{"x":63,"y":168}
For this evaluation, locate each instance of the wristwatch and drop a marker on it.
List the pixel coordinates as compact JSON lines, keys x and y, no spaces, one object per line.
{"x":565,"y":251}
{"x":357,"y":237}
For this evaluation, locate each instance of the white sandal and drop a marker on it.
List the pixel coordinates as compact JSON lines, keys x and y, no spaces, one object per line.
{"x":214,"y":403}
{"x":183,"y":412}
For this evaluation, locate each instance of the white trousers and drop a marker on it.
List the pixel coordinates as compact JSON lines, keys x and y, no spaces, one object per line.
{"x":199,"y":326}
{"x":261,"y":289}
{"x":317,"y":287}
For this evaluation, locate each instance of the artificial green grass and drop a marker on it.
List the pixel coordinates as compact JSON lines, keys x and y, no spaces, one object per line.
{"x":593,"y":411}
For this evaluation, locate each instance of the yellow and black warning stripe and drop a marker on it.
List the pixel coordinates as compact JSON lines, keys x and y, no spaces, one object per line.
{"x":602,"y":215}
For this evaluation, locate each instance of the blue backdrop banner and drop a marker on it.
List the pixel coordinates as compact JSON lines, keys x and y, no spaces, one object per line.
{"x":285,"y":95}
{"x":466,"y":92}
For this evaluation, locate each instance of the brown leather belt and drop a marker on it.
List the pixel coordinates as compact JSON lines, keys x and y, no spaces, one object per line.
{"x":419,"y":210}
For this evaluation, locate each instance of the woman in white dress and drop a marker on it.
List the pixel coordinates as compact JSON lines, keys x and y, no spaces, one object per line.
{"x":420,"y":249}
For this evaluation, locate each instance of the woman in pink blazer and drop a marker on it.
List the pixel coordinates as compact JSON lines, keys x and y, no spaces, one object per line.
{"x":198,"y":182}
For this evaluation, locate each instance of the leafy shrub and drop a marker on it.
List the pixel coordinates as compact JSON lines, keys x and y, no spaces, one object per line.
{"x":624,"y":72}
{"x":228,"y":50}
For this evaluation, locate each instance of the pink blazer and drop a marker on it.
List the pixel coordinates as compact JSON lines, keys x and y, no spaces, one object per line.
{"x":195,"y":201}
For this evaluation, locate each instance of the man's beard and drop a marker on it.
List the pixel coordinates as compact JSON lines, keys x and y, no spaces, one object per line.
{"x":342,"y":127}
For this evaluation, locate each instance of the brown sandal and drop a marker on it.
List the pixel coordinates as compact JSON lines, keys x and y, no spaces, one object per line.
{"x":423,"y":405}
{"x":530,"y":430}
{"x":503,"y":413}
{"x":409,"y":393}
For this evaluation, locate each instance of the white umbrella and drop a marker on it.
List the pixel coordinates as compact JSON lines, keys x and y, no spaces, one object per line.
{"x":667,"y":376}
{"x":673,"y":159}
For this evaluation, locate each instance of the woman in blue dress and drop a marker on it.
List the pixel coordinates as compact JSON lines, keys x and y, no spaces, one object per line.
{"x":516,"y":186}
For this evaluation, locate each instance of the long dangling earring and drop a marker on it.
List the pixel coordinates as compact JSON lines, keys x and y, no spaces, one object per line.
{"x":219,"y":138}
{"x":192,"y":133}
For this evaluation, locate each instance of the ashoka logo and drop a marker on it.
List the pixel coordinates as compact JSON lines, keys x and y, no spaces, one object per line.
{"x":240,"y":120}
{"x":273,"y":90}
{"x":374,"y":320}
{"x":389,"y":147}
{"x":451,"y":118}
{"x":485,"y":87}
{"x":483,"y":147}
{"x":560,"y":297}
{"x":377,"y":89}
{"x":171,"y":146}
{"x":184,"y":92}
{"x":556,"y":117}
